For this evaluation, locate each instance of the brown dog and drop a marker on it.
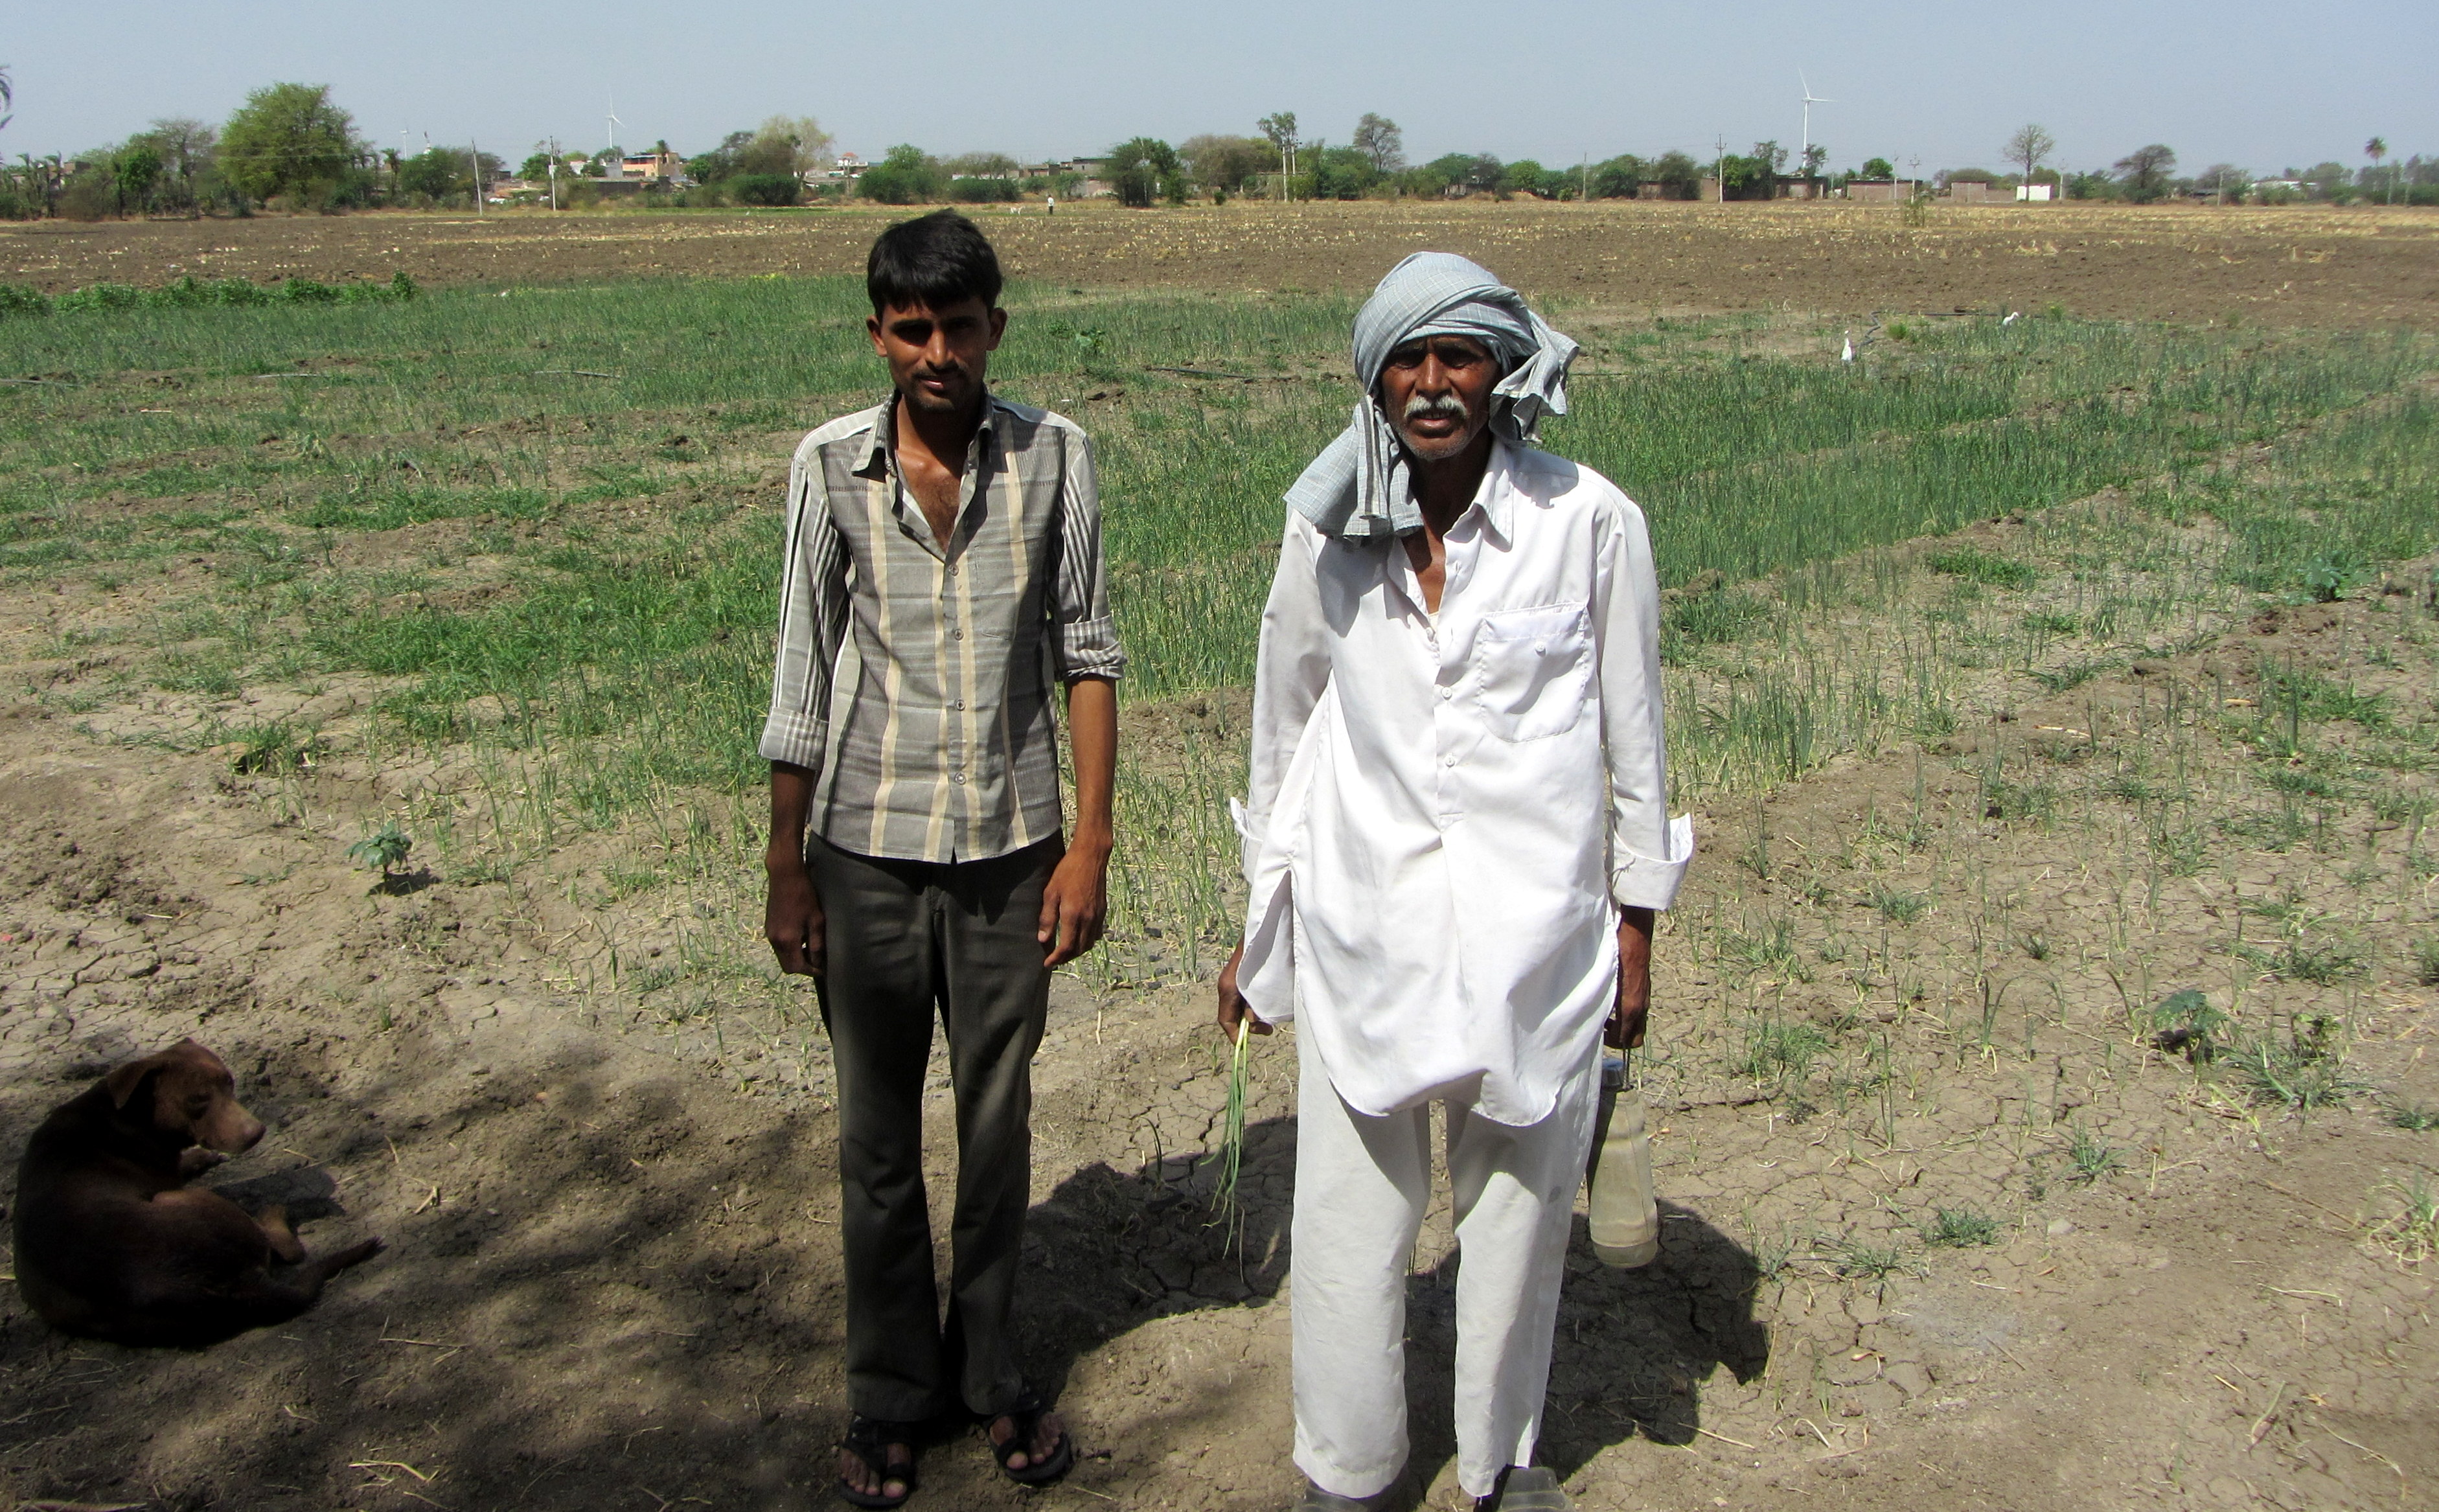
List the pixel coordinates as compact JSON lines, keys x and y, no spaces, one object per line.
{"x":113,"y":1244}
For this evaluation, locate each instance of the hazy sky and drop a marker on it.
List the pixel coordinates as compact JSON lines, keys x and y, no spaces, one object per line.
{"x":2262,"y":85}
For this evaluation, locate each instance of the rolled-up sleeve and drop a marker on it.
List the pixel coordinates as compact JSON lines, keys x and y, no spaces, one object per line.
{"x":1087,"y":642}
{"x":1647,"y":852}
{"x":812,"y":620}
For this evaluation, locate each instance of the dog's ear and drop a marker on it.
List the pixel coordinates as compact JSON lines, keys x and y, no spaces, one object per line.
{"x":124,"y":1080}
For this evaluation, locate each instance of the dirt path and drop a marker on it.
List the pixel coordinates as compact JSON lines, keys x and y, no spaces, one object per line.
{"x":612,"y":1281}
{"x":2279,"y":266}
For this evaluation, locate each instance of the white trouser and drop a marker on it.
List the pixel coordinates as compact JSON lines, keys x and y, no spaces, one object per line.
{"x":1361,"y":1187}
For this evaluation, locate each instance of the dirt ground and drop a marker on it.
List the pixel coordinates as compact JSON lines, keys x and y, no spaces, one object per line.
{"x":2286,"y":266}
{"x":613,"y":1282}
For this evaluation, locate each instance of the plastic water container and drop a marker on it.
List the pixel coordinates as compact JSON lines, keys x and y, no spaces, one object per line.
{"x":1624,"y":1216}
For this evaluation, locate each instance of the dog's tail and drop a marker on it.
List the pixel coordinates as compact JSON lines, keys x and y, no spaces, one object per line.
{"x":322,"y":1267}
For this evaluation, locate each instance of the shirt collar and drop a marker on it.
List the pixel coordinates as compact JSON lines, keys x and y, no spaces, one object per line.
{"x":878,"y":456}
{"x":1496,"y":498}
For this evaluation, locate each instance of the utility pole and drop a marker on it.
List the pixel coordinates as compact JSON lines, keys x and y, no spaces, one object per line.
{"x":476,"y":153}
{"x":1720,"y":166}
{"x":552,"y":148}
{"x":1585,"y":193}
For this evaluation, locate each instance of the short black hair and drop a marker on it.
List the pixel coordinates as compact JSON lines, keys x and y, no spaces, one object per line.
{"x":934,"y":261}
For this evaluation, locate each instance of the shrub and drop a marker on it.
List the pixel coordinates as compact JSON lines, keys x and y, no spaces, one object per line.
{"x":19,"y":299}
{"x":982,"y":190}
{"x":102,"y":297}
{"x":766,"y":189}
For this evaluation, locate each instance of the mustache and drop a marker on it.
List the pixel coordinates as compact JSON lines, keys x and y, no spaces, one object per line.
{"x":1422,"y":407}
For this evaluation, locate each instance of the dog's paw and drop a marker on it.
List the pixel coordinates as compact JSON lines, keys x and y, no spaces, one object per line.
{"x":195,"y":1159}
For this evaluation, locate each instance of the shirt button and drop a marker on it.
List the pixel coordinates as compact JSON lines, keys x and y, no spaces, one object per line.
{"x":1448,"y":760}
{"x":956,"y":703}
{"x":956,"y":635}
{"x":1446,"y":692}
{"x":953,"y":569}
{"x":956,"y":776}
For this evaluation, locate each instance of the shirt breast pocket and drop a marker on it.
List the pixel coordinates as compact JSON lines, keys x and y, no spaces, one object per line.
{"x":1533,"y":670}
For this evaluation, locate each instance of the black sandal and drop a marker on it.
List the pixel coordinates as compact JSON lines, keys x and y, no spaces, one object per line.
{"x":1025,"y":1414}
{"x":868,"y":1439}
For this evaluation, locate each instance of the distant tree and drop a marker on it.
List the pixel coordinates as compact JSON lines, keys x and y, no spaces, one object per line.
{"x":1377,"y":139}
{"x":443,"y":172}
{"x":534,"y":169}
{"x":974,"y":188}
{"x":1745,"y":176}
{"x":185,"y":151}
{"x":720,"y":161}
{"x":1145,"y":169}
{"x":1340,"y":173}
{"x":906,"y":175}
{"x":1771,"y":156}
{"x":772,"y":189}
{"x":288,"y":139}
{"x":1454,"y":169}
{"x":134,"y":169}
{"x":1620,"y":178}
{"x":2376,"y":149}
{"x":1814,"y":156}
{"x":792,"y":145}
{"x":1223,"y":164}
{"x":2229,"y":181}
{"x":1680,"y":177}
{"x":2330,"y":181}
{"x":2028,"y":147}
{"x":1876,"y":168}
{"x":1525,"y":176}
{"x":2143,"y":174}
{"x":7,"y":96}
{"x":1281,"y":129}
{"x":981,"y":166}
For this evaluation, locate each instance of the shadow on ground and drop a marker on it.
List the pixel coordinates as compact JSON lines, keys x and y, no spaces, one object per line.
{"x":1633,"y":1347}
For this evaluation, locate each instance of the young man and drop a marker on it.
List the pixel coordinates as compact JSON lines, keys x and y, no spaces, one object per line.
{"x":943,"y":571}
{"x":1455,"y":842}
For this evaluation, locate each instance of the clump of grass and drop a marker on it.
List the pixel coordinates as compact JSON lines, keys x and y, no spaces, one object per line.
{"x":2426,"y":960}
{"x":2089,"y":1157}
{"x":2185,"y":1021}
{"x":1781,"y":1052}
{"x":2004,"y":799}
{"x":1900,"y":907}
{"x":1983,"y":567}
{"x":2304,"y":1070}
{"x":2297,"y":959}
{"x":1858,"y":1260}
{"x":2413,"y":1117}
{"x":1959,"y":1228}
{"x":1770,"y":944}
{"x":2411,"y":1232}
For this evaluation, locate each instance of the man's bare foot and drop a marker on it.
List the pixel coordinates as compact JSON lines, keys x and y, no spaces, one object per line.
{"x":1047,"y":1431}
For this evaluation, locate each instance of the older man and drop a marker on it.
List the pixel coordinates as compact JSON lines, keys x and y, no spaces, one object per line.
{"x":1456,"y":841}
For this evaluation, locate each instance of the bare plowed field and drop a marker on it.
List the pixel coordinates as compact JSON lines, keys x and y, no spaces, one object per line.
{"x":2277,"y":266}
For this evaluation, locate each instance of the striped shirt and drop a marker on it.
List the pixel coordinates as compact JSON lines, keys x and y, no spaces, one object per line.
{"x":913,"y":681}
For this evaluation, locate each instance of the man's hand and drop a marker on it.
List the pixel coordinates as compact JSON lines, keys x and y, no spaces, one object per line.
{"x":1233,"y":1008}
{"x":1076,"y":900}
{"x":792,"y":915}
{"x":793,"y":920}
{"x":1634,"y":980}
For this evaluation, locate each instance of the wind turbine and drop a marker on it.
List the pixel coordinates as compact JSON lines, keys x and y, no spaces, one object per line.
{"x":1810,"y":99}
{"x":612,"y":169}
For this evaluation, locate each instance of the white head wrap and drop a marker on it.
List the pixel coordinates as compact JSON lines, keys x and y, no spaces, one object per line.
{"x":1358,"y":487}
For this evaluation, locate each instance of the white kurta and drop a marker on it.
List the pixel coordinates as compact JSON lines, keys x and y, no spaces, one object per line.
{"x":1448,"y":810}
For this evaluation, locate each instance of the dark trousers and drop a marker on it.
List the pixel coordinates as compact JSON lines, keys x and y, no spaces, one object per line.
{"x":907,"y":939}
